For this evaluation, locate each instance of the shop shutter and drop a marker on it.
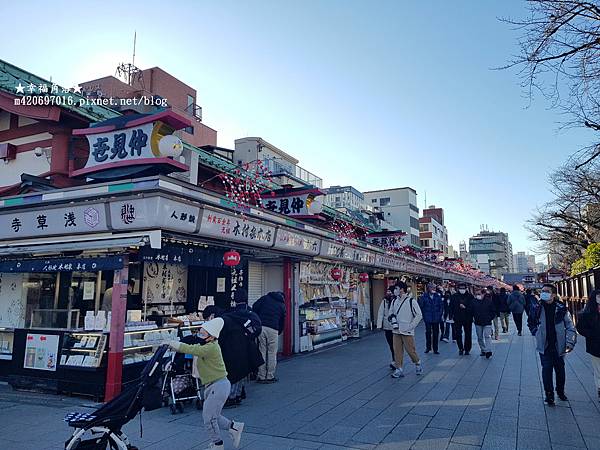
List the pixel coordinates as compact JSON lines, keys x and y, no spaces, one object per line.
{"x":255,"y":281}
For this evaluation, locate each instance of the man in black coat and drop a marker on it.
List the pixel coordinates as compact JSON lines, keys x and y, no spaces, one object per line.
{"x":461,"y":307}
{"x":271,"y":310}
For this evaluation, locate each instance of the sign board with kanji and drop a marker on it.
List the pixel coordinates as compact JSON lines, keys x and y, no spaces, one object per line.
{"x":334,"y":250}
{"x":302,"y":204}
{"x":236,"y":228}
{"x":297,"y":242}
{"x":51,"y":221}
{"x":154,"y":212}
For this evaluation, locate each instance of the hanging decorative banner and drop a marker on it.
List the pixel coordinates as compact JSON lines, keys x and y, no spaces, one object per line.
{"x":235,"y":228}
{"x":297,"y":242}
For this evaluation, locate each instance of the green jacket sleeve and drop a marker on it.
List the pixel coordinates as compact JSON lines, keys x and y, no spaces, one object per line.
{"x":195,"y":349}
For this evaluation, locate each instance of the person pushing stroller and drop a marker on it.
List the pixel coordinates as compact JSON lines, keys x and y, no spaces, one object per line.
{"x":213,"y":376}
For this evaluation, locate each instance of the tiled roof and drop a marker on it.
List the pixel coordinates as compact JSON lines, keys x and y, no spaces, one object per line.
{"x":11,"y":76}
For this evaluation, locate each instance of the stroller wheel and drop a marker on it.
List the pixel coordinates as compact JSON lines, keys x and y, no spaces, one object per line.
{"x":173,"y":409}
{"x":199,"y":404}
{"x":180,"y":407}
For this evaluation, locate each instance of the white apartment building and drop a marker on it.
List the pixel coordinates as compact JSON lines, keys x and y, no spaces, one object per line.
{"x":346,"y":197}
{"x":497,"y":248}
{"x":399,"y":206}
{"x":523,"y":263}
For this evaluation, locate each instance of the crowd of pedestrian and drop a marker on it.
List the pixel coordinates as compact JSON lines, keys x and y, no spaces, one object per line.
{"x":451,"y":312}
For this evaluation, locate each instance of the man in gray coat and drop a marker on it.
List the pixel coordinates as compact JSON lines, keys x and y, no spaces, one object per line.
{"x":516,"y":304}
{"x":555,"y":335}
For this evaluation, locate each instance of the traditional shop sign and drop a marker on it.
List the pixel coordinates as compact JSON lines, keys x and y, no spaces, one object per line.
{"x":67,"y":219}
{"x":333,"y":250}
{"x":297,"y":242}
{"x":41,"y":352}
{"x":364,"y":257}
{"x":187,"y":256}
{"x":131,"y":141}
{"x":389,"y":240}
{"x":62,"y":265}
{"x":236,"y":228}
{"x":385,"y":261}
{"x":304,"y":203}
{"x":154,"y":212}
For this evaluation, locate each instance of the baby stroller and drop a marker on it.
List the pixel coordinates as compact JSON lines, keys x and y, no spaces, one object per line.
{"x":104,"y":425}
{"x":179,"y":386}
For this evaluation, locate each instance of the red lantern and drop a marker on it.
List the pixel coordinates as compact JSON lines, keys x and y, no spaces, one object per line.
{"x":363,"y":277}
{"x":336,"y":273}
{"x":231,"y":258}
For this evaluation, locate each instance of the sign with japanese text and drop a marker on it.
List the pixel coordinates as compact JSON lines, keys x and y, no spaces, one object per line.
{"x":297,"y":242}
{"x":236,"y":228}
{"x":387,"y":262}
{"x":334,"y":250}
{"x":306,"y":204}
{"x":67,"y":219}
{"x":154,"y":212}
{"x":62,"y":265}
{"x":364,"y":257}
{"x":41,"y":352}
{"x":393,"y":241}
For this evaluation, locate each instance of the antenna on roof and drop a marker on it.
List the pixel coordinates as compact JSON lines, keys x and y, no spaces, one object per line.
{"x":128,"y":71}
{"x":134,"y":39}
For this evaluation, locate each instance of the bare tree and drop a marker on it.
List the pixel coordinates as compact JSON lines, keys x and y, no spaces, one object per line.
{"x":560,"y":58}
{"x":571,"y":221}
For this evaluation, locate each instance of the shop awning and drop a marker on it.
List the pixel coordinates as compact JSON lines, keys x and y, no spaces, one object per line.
{"x":80,"y":243}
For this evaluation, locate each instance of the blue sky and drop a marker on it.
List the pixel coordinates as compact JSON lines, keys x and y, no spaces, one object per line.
{"x":373,"y":94}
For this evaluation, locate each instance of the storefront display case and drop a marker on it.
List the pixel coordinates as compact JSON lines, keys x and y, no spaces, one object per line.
{"x":6,"y":351}
{"x":320,"y":323}
{"x":83,"y":349}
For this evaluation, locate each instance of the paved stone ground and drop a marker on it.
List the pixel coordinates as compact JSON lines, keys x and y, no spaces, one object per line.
{"x":345,"y":398}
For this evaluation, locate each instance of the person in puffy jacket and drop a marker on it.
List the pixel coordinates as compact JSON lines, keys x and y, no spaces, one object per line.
{"x":588,"y":325}
{"x":502,"y":309}
{"x":432,"y":307}
{"x":461,"y":307}
{"x":383,"y":313}
{"x":271,"y":311}
{"x":404,"y":317}
{"x":484,"y":313}
{"x":516,"y":304}
{"x":550,"y":322}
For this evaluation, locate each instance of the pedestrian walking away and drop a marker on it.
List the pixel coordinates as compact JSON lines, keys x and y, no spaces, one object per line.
{"x":271,"y":311}
{"x":484,"y":312}
{"x":213,"y":375}
{"x":405,"y":315}
{"x":551,"y":324}
{"x":461,"y":307}
{"x":432,"y":307}
{"x":503,"y":309}
{"x":588,"y":325}
{"x":445,"y":325}
{"x":383,"y":314}
{"x":516,"y":304}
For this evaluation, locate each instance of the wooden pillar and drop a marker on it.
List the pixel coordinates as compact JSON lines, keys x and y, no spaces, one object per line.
{"x":117,"y":329}
{"x":287,"y":293}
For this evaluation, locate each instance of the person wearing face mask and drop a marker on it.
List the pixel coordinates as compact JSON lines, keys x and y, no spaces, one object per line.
{"x":461,"y":307}
{"x":588,"y":325}
{"x":383,"y":323}
{"x":484,"y":312}
{"x":550,"y":322}
{"x":432,"y":306}
{"x":213,"y":375}
{"x":405,"y":315}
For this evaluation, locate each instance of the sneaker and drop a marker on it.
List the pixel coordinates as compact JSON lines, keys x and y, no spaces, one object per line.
{"x":398,"y":373}
{"x":261,"y":381}
{"x":419,"y":369}
{"x":496,"y":338}
{"x":445,"y":340}
{"x":519,"y":334}
{"x":236,"y":433}
{"x":482,"y":354}
{"x":272,"y":380}
{"x":428,"y":350}
{"x":488,"y":355}
{"x":436,"y":353}
{"x":460,"y":352}
{"x":392,"y":366}
{"x":549,"y":398}
{"x":214,"y":446}
{"x":467,"y":353}
{"x":562,"y":396}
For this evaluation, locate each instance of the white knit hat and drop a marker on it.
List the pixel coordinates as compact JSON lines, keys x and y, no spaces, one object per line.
{"x":214,"y":326}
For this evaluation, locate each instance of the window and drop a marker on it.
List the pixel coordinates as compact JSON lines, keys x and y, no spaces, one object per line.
{"x":189,"y":130}
{"x":190,"y":102}
{"x":373,"y":200}
{"x":413,"y":207}
{"x":384,"y":201}
{"x":337,"y":199}
{"x":414,"y":223}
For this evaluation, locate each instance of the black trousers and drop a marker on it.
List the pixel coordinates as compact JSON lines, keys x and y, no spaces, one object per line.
{"x":518,"y":318}
{"x":389,"y":337}
{"x":467,"y":343}
{"x":553,"y":362}
{"x":432,"y":335}
{"x":444,"y":330}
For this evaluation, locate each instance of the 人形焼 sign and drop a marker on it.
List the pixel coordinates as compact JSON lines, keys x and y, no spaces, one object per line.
{"x":140,"y":144}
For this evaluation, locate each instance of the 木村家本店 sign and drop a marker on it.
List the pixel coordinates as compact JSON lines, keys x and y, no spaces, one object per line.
{"x":236,"y":228}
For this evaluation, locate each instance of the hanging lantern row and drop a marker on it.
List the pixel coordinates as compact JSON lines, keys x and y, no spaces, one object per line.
{"x":231,"y":258}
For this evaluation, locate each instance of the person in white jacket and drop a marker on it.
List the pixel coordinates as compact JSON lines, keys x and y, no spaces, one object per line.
{"x":404,"y":317}
{"x":383,"y":323}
